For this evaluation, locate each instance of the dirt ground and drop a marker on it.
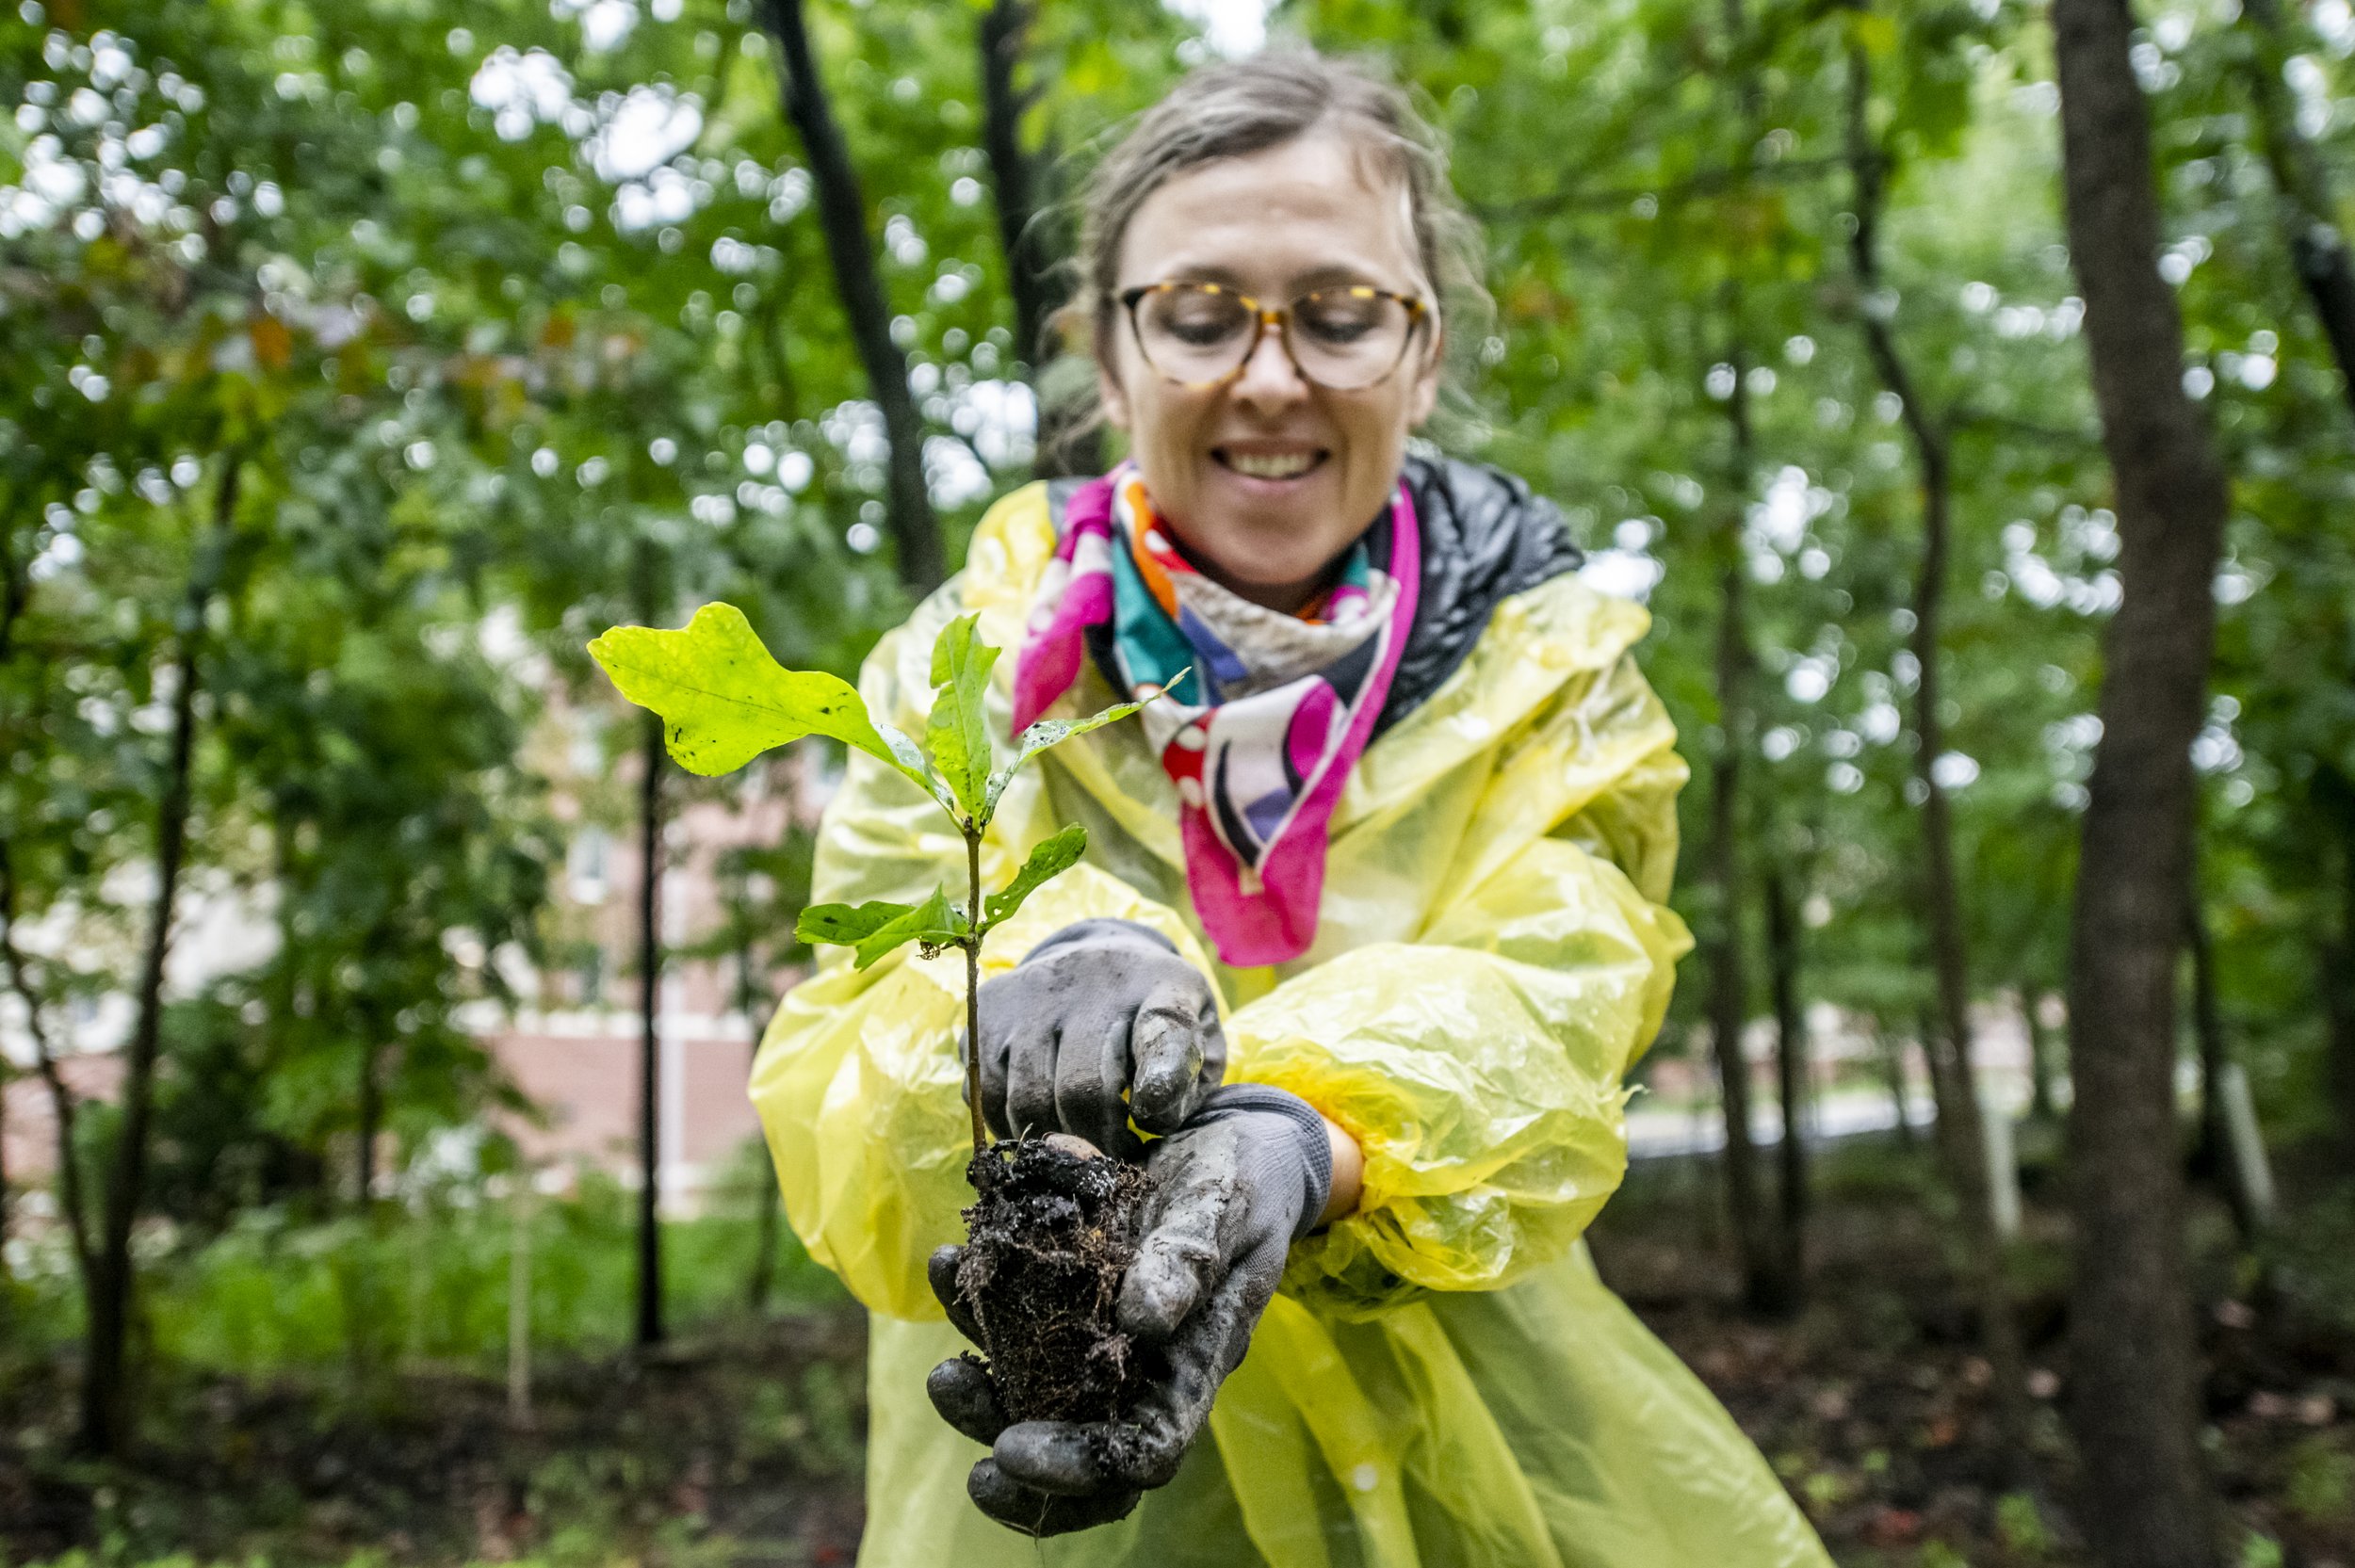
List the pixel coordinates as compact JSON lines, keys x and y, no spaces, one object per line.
{"x":743,"y":1445}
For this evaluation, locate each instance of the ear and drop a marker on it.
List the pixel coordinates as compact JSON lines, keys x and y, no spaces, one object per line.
{"x":1108,"y":395}
{"x":1425,"y":395}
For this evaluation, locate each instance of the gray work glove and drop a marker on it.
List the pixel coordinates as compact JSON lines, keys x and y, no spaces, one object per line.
{"x":1247,"y":1176}
{"x":1102,"y":1022}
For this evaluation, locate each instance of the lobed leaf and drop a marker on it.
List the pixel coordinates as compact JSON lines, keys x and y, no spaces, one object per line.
{"x":957,"y":734}
{"x":723,"y":701}
{"x":1051,"y":859}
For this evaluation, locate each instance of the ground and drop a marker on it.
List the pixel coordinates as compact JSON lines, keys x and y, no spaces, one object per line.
{"x":740,"y":1445}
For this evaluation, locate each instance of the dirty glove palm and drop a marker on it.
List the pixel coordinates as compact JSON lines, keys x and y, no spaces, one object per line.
{"x":1249,"y":1174}
{"x":1102,"y":1022}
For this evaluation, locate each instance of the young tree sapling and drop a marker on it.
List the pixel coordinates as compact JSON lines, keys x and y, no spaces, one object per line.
{"x":1053,"y":1228}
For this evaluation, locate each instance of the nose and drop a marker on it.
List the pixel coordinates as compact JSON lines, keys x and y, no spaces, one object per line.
{"x":1269,"y":378}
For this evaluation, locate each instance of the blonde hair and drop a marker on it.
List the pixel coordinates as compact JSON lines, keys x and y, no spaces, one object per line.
{"x":1238,"y":107}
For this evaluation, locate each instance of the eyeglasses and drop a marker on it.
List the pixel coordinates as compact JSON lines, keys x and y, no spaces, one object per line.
{"x":1345,"y":339}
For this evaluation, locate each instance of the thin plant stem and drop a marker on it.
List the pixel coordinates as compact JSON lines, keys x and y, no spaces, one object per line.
{"x":972,"y":946}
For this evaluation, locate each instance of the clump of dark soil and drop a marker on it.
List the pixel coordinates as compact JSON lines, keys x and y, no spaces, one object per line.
{"x":1054,"y":1229}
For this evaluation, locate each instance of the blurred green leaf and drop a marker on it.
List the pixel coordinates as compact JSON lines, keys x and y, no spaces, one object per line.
{"x":847,"y":925}
{"x":958,"y":731}
{"x":1051,"y":859}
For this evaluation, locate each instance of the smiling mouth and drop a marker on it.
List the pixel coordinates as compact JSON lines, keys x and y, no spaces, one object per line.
{"x":1269,"y":465}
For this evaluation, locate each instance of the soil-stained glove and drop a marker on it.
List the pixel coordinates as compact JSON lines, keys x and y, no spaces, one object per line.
{"x":1249,"y":1174}
{"x":1102,"y":1022}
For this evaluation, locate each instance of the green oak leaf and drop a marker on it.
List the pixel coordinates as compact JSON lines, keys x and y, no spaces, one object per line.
{"x":723,"y":701}
{"x":1051,"y":859}
{"x":1049,"y":733}
{"x":957,"y":734}
{"x":936,"y":923}
{"x":846,"y":924}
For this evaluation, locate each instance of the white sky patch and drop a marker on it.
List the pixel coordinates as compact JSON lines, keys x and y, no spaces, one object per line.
{"x":1778,"y":521}
{"x":652,"y":125}
{"x":604,"y":24}
{"x":1810,"y":678}
{"x":1955,"y":771}
{"x":1622,"y":574}
{"x":521,"y":91}
{"x":1231,"y":27}
{"x":1000,"y":418}
{"x":952,"y":474}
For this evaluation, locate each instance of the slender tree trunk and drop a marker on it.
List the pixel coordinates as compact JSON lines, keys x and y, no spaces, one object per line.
{"x":1933,"y":1069}
{"x":1030,"y":255}
{"x":15,"y":588}
{"x":649,"y":1037}
{"x":1034,"y":241}
{"x":371,"y":1113}
{"x":851,"y":249}
{"x":1791,"y":1071}
{"x":105,"y":1424}
{"x":64,"y":1107}
{"x":1893,"y":1055}
{"x":2217,"y":1154}
{"x":2310,"y":213}
{"x":2335,"y":960}
{"x":764,"y":1272}
{"x":2135,"y":1410}
{"x":1960,"y":1134}
{"x":1764,"y":1289}
{"x":2044,"y":1104}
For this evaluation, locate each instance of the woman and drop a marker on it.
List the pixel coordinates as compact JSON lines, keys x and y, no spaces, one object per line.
{"x":1371,"y":927}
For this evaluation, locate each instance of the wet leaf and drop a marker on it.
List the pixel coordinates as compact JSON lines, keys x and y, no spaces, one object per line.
{"x":723,"y":701}
{"x":1051,"y":859}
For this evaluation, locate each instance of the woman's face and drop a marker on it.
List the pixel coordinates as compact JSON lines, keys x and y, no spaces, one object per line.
{"x":1267,"y":477}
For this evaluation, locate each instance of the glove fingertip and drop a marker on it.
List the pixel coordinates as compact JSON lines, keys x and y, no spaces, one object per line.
{"x":1155,"y":1297}
{"x":940,"y":1272}
{"x":961,"y":1391}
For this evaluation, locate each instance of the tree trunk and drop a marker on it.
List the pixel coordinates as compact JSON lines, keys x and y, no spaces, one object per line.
{"x":2317,"y":246}
{"x":1960,"y":1135}
{"x":1034,"y":242}
{"x":2335,"y":960}
{"x":105,"y":1415}
{"x":1791,"y":1071}
{"x":764,"y":1272}
{"x":2044,"y":1104}
{"x":1893,"y":1055}
{"x":15,"y":589}
{"x":2135,"y":1410}
{"x":1030,"y":255}
{"x":64,"y":1108}
{"x":1765,"y":1290}
{"x":2217,"y":1154}
{"x":649,"y":1038}
{"x":371,"y":1112}
{"x":850,"y":248}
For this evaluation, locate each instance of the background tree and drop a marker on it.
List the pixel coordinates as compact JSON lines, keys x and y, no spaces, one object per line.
{"x":2133,"y":1412}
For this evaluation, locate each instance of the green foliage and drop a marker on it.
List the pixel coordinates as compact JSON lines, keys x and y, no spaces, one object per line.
{"x":957,"y":734}
{"x":275,"y":1293}
{"x":1051,"y":859}
{"x":723,"y":701}
{"x":1048,"y":734}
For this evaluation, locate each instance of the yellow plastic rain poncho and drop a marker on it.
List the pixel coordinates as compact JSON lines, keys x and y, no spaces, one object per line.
{"x":1442,"y":1379}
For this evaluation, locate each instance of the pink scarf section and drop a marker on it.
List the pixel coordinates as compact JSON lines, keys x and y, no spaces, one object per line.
{"x":1256,"y":900}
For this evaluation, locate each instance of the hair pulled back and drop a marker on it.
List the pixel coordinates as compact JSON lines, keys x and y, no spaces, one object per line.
{"x":1238,"y":107}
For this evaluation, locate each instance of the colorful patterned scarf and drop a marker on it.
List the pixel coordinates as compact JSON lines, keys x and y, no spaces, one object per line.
{"x":1260,"y":739}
